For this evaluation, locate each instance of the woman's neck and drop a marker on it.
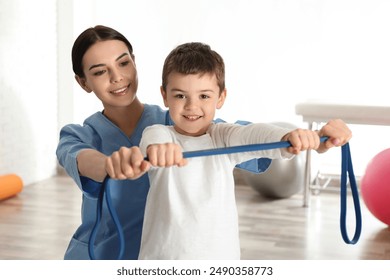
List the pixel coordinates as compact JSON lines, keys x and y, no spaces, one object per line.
{"x":126,"y":118}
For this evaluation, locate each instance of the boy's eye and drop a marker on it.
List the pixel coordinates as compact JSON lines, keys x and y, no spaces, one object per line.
{"x":204,"y":96}
{"x":179,"y":96}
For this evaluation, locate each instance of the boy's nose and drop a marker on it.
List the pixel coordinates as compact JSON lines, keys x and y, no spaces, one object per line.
{"x":190,"y":103}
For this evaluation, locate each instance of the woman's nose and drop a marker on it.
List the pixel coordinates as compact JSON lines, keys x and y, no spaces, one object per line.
{"x":116,"y":76}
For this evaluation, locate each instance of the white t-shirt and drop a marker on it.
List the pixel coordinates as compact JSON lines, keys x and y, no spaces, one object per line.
{"x":191,"y":211}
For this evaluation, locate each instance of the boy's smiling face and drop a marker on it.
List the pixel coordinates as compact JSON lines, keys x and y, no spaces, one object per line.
{"x":192,"y":101}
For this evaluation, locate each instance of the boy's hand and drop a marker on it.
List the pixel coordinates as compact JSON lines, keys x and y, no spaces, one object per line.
{"x":338,"y":132}
{"x":126,"y":163}
{"x":302,"y":140}
{"x":165,"y":155}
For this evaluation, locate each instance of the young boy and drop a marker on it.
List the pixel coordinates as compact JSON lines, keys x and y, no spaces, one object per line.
{"x":190,"y":210}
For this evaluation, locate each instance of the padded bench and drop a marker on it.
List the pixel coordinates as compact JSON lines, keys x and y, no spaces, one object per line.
{"x":317,"y":112}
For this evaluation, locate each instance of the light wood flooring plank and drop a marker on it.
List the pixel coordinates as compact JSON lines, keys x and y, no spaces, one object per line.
{"x":38,"y":223}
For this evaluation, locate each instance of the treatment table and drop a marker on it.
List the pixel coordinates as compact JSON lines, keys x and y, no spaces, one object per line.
{"x":316,"y":112}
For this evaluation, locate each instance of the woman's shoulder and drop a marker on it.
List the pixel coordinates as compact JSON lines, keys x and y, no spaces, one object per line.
{"x":95,"y":126}
{"x":153,"y":114}
{"x":152,"y":109}
{"x":87,"y":124}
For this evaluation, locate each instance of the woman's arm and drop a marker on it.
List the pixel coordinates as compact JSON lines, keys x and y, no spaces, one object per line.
{"x":91,"y":164}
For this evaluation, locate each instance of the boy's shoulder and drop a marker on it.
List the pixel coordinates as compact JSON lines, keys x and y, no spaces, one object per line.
{"x":157,"y":129}
{"x":222,"y":126}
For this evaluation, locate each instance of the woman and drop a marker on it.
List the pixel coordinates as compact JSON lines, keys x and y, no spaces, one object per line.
{"x":104,"y":63}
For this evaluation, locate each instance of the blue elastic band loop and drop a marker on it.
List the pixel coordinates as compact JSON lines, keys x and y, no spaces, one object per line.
{"x":346,"y":167}
{"x":106,"y":190}
{"x":99,"y":207}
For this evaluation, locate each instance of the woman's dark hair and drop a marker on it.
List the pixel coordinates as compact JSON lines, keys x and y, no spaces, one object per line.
{"x":88,"y":38}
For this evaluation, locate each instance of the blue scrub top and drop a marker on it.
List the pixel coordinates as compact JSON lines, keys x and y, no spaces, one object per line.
{"x":128,"y":196}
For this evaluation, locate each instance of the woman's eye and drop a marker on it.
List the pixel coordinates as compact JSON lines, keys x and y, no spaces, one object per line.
{"x":99,"y":73}
{"x":125,"y":63}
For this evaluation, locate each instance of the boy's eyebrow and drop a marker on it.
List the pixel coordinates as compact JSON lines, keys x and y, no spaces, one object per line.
{"x":177,"y":89}
{"x":101,"y":64}
{"x":202,"y":90}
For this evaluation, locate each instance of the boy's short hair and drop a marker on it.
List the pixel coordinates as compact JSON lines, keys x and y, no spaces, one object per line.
{"x":194,"y":58}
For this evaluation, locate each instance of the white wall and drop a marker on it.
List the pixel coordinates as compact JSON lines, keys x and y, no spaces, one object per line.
{"x":28,"y":89}
{"x":274,"y":50}
{"x":277,"y":53}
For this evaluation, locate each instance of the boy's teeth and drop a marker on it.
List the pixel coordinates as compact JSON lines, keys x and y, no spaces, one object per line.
{"x":192,"y":117}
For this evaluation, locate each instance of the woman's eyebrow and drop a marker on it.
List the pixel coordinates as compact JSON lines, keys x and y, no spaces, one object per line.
{"x":102,"y":64}
{"x":122,"y":55}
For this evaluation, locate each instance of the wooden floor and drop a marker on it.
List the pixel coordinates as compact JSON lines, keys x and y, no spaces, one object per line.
{"x":38,"y":223}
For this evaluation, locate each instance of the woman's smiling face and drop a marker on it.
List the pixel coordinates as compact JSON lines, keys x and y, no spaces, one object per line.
{"x":110,"y":73}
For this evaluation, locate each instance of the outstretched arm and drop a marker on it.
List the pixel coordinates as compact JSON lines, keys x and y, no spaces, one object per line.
{"x":305,"y":139}
{"x":90,"y":163}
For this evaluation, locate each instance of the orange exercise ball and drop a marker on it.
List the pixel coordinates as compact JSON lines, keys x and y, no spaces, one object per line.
{"x":10,"y":185}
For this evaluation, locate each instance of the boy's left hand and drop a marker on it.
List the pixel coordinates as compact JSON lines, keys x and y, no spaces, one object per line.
{"x":338,"y":132}
{"x":304,"y":139}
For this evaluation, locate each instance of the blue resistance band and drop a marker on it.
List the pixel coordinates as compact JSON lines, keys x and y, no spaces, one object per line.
{"x":106,"y":190}
{"x":346,"y":168}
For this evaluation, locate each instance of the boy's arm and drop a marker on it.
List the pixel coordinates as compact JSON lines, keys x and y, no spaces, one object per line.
{"x":159,"y":144}
{"x":258,"y":165}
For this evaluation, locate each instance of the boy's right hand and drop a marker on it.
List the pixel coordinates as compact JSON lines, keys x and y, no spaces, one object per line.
{"x":126,"y":163}
{"x":165,"y":155}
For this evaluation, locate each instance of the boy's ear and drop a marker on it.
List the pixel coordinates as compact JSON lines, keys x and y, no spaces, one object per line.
{"x":83,"y":83}
{"x":221,"y":99}
{"x":164,"y":96}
